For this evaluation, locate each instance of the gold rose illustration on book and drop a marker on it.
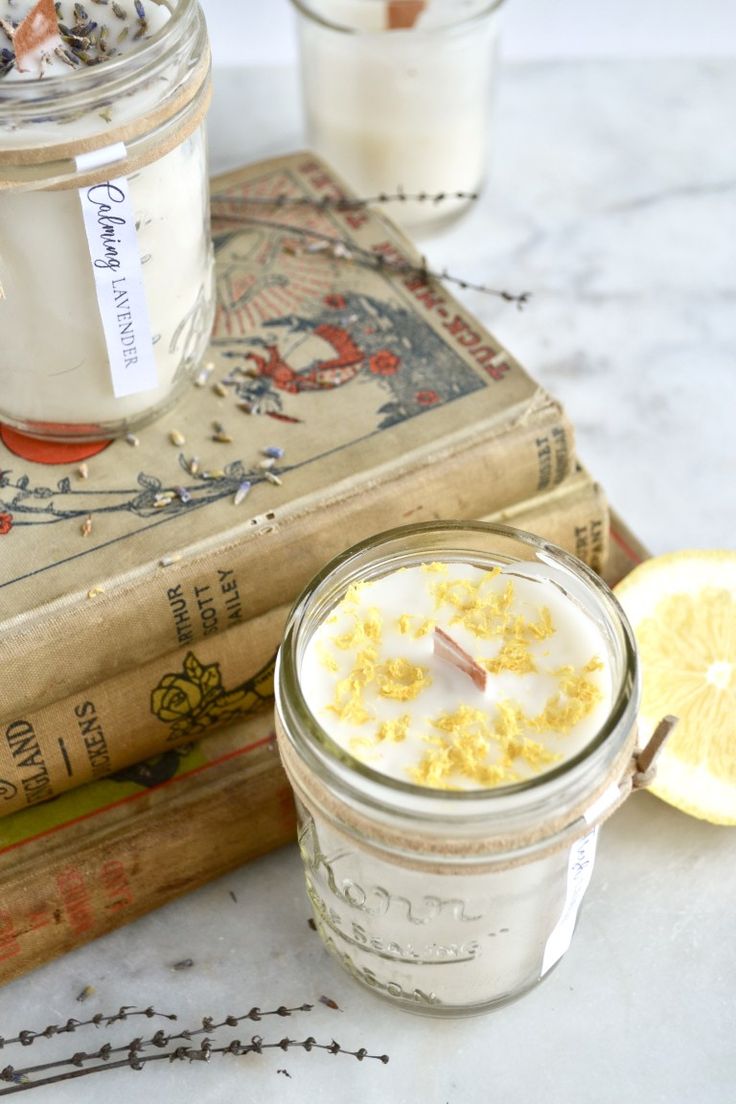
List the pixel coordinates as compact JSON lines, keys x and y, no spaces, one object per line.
{"x":194,"y":699}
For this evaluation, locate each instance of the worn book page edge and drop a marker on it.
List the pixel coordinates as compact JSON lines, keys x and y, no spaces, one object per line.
{"x":353,"y":487}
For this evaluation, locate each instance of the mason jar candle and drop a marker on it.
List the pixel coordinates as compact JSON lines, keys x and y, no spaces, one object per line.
{"x":397,"y":95}
{"x":455,"y":708}
{"x":106,"y":261}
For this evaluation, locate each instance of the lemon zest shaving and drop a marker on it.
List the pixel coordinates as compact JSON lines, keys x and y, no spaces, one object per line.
{"x":514,"y":656}
{"x":404,"y":624}
{"x":462,"y":750}
{"x":353,"y":711}
{"x":348,"y":704}
{"x":325,"y":657}
{"x":484,"y":614}
{"x":401,"y":680}
{"x":395,"y":731}
{"x":352,"y":594}
{"x":365,"y":630}
{"x":577,"y":698}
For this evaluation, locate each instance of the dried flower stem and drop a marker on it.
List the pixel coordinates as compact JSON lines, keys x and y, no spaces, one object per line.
{"x":354,"y":203}
{"x":342,"y":249}
{"x":136,"y":1061}
{"x":159,"y":1040}
{"x":126,"y":1011}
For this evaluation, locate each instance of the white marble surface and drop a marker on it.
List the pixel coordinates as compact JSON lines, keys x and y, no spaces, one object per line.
{"x":612,"y":199}
{"x":534,"y":30}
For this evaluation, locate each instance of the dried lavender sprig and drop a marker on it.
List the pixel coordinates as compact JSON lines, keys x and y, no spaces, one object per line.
{"x":342,"y":249}
{"x":349,"y":203}
{"x":27,"y":1037}
{"x":159,"y":1040}
{"x":136,"y":1061}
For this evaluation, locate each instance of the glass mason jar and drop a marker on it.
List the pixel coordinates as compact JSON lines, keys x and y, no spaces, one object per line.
{"x":449,"y":902}
{"x":398,"y":95}
{"x":125,"y":141}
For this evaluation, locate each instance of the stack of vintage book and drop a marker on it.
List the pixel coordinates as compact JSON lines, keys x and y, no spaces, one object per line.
{"x":145,"y":584}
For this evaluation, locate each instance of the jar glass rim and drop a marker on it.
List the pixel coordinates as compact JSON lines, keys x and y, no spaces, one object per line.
{"x":305,"y":8}
{"x":87,"y":78}
{"x":624,"y":692}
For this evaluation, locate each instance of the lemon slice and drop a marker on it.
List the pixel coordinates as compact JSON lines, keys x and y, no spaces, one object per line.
{"x":682,"y":607}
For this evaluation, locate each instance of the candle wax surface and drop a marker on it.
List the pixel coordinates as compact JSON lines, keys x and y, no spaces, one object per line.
{"x":371,"y":677}
{"x":90,"y":34}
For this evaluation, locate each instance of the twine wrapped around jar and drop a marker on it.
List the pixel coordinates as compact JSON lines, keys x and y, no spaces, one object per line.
{"x":453,"y":900}
{"x":631,"y":770}
{"x":146,"y":138}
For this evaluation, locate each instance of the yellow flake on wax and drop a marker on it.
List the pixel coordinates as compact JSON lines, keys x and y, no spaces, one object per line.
{"x":401,"y":680}
{"x":466,"y":741}
{"x":395,"y":731}
{"x":434,"y":769}
{"x":523,"y":629}
{"x":424,"y":628}
{"x":348,"y":703}
{"x":509,"y":723}
{"x":483,"y":613}
{"x":542,"y":628}
{"x":365,"y":630}
{"x":363,"y":672}
{"x":514,"y":656}
{"x":578,"y":696}
{"x":325,"y":657}
{"x":460,"y":593}
{"x":464,"y":721}
{"x":352,"y":711}
{"x":352,"y":594}
{"x":536,"y":754}
{"x":436,"y":567}
{"x":463,"y":750}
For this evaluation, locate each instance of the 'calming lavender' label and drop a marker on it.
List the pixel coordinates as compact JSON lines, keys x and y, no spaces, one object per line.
{"x":579,"y":873}
{"x":113,"y":247}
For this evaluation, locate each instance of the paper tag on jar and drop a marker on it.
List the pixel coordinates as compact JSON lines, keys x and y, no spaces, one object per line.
{"x":579,"y":873}
{"x":109,"y":222}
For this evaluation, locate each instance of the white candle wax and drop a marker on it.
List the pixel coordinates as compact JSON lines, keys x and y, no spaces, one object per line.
{"x":372,"y":676}
{"x":124,"y":30}
{"x":405,"y":108}
{"x":54,"y":364}
{"x":478,"y":691}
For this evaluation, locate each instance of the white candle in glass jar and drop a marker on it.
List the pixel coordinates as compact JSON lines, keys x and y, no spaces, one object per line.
{"x":401,"y":107}
{"x":455,"y":709}
{"x":388,"y":689}
{"x":107,"y":99}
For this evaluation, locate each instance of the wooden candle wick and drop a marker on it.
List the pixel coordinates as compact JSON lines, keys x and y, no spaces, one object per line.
{"x":448,"y":650}
{"x":401,"y":15}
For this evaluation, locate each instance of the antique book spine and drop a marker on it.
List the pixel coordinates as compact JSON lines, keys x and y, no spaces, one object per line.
{"x":98,"y":870}
{"x":573,"y":515}
{"x":92,"y":860}
{"x":184,"y":597}
{"x":335,"y":358}
{"x":199,"y":687}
